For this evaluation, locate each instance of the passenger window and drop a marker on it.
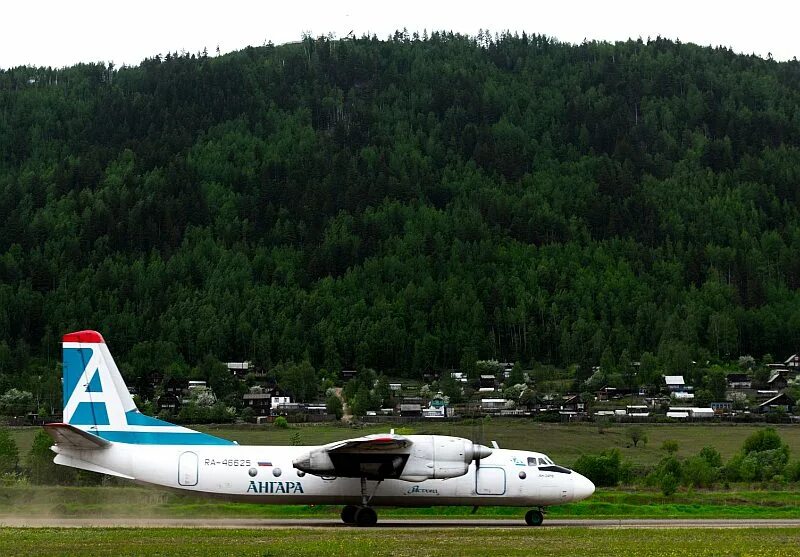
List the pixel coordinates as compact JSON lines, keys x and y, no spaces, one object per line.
{"x":531,"y":461}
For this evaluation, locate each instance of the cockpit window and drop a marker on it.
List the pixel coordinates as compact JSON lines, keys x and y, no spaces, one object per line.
{"x":531,"y":461}
{"x":555,"y":468}
{"x":542,"y":462}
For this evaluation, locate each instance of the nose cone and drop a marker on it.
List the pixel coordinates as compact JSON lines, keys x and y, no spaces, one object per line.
{"x":582,"y":487}
{"x":479,"y":452}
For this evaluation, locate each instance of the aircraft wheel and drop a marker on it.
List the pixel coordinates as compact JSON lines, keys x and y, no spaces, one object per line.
{"x":349,"y":514}
{"x":366,"y":516}
{"x":534,"y":518}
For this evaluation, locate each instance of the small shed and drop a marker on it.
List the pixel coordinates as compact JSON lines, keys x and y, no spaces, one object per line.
{"x":674,"y":382}
{"x":411,"y":410}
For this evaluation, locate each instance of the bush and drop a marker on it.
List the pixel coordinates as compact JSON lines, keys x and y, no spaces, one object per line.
{"x":9,"y":454}
{"x":605,"y":469}
{"x":763,"y":440}
{"x":248,"y":414}
{"x":334,"y":406}
{"x":698,"y":472}
{"x":41,"y":468}
{"x":670,"y":445}
{"x":764,"y":455}
{"x":667,"y":475}
{"x":793,"y":471}
{"x":668,"y":484}
{"x":281,"y":422}
{"x":712,"y":456}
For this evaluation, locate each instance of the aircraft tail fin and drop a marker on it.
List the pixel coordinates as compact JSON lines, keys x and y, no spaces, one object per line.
{"x":97,"y":401}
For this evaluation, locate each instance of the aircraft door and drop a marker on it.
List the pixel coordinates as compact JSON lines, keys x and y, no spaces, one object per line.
{"x":187,"y":469}
{"x":490,"y":480}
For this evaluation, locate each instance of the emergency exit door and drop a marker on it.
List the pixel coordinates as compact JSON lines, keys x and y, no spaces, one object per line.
{"x":187,"y":469}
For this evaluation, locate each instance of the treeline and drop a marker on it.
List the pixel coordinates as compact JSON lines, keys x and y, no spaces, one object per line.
{"x":403,"y":204}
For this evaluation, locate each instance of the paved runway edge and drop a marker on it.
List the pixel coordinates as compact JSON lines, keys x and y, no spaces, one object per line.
{"x":271,"y":523}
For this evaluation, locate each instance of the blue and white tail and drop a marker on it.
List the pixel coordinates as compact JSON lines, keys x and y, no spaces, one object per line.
{"x":97,"y":401}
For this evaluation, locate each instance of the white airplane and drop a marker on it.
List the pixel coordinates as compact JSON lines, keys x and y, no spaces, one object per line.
{"x":104,"y":432}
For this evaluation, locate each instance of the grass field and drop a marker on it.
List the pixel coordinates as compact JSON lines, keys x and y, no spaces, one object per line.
{"x":411,"y":542}
{"x":563,"y":443}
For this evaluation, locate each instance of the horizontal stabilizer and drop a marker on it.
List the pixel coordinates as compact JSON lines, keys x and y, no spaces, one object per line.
{"x":67,"y":460}
{"x":66,"y":435}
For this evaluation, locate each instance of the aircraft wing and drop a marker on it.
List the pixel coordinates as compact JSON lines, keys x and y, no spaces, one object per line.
{"x":370,"y":443}
{"x":378,"y":456}
{"x":66,"y":435}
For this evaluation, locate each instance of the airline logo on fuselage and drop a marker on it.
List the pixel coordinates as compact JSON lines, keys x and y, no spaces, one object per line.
{"x":275,"y":488}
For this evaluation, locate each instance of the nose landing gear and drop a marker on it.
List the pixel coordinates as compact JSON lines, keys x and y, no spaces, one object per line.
{"x":534,"y":517}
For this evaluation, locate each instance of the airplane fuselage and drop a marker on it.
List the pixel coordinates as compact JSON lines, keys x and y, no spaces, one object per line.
{"x":265,"y":474}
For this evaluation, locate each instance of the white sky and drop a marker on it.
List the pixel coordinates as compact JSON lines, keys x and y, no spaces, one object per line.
{"x":61,"y":32}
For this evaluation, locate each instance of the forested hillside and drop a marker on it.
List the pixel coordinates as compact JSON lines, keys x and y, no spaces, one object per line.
{"x":403,"y":204}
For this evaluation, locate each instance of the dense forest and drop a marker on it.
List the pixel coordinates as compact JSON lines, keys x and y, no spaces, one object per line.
{"x":404,"y":204}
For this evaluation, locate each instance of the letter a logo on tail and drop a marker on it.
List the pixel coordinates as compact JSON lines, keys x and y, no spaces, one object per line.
{"x":96,"y":399}
{"x":91,"y":394}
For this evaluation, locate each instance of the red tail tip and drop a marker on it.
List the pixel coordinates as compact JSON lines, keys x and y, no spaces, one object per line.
{"x":84,"y":336}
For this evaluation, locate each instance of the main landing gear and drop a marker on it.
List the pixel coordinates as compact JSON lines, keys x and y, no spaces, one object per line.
{"x":534,"y":517}
{"x":359,"y":516}
{"x":362,"y":515}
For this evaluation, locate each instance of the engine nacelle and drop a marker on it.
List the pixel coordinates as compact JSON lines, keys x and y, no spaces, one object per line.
{"x":426,"y":457}
{"x":440,"y":456}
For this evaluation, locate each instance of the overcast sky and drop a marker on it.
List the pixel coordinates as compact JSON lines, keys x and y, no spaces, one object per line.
{"x":59,"y":33}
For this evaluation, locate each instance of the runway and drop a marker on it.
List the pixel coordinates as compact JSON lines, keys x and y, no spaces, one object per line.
{"x":388,"y":523}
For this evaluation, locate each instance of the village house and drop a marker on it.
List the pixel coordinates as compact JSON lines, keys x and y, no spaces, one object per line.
{"x":488,"y":383}
{"x":737,"y":381}
{"x":259,"y":399}
{"x":779,"y":403}
{"x":573,"y":403}
{"x":777,"y":382}
{"x":492,"y":405}
{"x":238,"y":369}
{"x":793,"y":361}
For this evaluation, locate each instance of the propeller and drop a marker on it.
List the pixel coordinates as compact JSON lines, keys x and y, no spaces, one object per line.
{"x":479,"y":452}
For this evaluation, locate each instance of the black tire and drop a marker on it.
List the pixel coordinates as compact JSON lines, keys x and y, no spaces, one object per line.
{"x":349,"y":514}
{"x":534,"y":518}
{"x":366,"y":516}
